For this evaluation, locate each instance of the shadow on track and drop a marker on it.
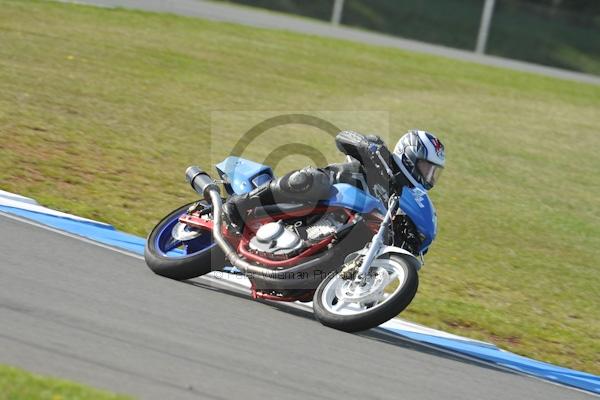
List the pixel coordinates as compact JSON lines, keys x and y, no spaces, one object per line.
{"x":377,"y":334}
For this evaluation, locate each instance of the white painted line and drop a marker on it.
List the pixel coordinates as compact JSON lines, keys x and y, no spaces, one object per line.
{"x":14,"y":196}
{"x":15,"y":202}
{"x":398,"y":323}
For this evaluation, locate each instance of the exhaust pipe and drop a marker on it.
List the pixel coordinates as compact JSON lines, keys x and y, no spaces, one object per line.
{"x":204,"y":185}
{"x":200,"y":181}
{"x":230,"y":253}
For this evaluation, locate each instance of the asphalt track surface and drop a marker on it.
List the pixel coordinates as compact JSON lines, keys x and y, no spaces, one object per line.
{"x":72,"y":309}
{"x":219,"y":11}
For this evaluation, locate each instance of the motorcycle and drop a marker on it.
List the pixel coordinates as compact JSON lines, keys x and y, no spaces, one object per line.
{"x":354,"y":254}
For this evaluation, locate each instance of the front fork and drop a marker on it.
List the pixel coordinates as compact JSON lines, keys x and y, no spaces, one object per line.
{"x":377,"y":243}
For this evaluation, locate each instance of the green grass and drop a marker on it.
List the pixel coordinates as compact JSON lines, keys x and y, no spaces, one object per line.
{"x":16,"y":384}
{"x":101,"y":111}
{"x":520,"y":29}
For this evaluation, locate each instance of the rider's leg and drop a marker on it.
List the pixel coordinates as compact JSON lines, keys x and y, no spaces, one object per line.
{"x":307,"y":185}
{"x":237,"y":206}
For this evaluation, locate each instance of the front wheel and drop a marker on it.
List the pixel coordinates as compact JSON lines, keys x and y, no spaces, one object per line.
{"x":176,"y":251}
{"x":342,"y":304}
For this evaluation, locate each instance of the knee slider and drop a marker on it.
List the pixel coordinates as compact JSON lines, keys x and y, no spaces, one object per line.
{"x":299,"y":182}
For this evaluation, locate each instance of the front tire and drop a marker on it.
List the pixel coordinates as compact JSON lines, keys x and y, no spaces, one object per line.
{"x":181,"y":260}
{"x":338,"y":305}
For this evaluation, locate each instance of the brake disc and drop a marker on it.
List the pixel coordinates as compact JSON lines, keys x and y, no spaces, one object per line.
{"x":370,"y":292}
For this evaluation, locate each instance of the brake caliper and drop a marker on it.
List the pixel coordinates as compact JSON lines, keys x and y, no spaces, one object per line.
{"x":350,"y":269}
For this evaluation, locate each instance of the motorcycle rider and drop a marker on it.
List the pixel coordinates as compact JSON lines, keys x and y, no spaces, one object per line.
{"x":417,"y":160}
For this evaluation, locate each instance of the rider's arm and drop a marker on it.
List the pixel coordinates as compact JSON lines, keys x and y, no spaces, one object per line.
{"x":377,"y":162}
{"x":350,"y":172}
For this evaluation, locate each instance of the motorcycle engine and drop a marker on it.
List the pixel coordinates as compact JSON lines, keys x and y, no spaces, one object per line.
{"x":279,"y":240}
{"x":322,"y":228}
{"x":276,"y":241}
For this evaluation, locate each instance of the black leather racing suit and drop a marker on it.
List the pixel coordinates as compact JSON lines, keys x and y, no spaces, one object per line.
{"x":367,"y":156}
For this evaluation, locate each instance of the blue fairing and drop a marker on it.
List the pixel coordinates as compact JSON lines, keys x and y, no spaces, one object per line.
{"x":348,"y":196}
{"x":418,"y":207}
{"x":242,"y":175}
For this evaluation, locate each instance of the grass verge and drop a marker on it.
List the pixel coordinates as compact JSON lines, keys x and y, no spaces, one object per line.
{"x":16,"y":384}
{"x":521,"y":30}
{"x":101,"y":110}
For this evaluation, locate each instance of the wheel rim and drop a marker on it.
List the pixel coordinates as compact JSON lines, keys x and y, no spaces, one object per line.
{"x":343,"y":297}
{"x":168,"y":246}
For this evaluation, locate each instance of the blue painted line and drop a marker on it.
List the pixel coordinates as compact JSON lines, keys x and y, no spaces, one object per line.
{"x":108,"y":235}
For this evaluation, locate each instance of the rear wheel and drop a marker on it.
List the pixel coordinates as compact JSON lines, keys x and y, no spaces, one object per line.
{"x":176,"y":251}
{"x":342,"y":304}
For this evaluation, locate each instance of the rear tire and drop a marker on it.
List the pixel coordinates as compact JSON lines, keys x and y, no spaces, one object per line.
{"x":369,"y":317}
{"x":207,"y":258}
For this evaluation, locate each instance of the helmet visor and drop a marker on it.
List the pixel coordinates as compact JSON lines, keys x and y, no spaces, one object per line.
{"x":429,"y":171}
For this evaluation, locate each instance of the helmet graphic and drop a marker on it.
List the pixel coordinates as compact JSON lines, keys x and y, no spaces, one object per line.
{"x":420,"y":156}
